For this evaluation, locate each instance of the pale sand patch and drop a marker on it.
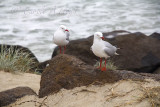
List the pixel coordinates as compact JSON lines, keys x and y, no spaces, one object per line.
{"x":125,"y":93}
{"x":9,"y":81}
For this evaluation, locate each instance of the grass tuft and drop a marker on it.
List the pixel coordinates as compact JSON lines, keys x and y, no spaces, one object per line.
{"x":14,"y":61}
{"x":109,"y":65}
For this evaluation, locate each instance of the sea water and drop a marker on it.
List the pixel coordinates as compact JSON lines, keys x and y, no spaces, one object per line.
{"x":32,"y":23}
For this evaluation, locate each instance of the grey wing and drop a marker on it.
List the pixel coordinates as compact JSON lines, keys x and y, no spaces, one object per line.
{"x":67,"y":35}
{"x":107,"y":44}
{"x":109,"y":51}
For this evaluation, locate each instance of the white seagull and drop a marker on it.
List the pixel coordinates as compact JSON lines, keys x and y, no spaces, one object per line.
{"x":61,"y":37}
{"x":102,"y":48}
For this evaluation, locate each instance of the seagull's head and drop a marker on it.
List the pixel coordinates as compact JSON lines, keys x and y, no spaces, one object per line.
{"x":98,"y":35}
{"x":63,"y":28}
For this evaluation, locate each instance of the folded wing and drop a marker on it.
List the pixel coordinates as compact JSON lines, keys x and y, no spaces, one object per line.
{"x":67,"y":35}
{"x":109,"y":49}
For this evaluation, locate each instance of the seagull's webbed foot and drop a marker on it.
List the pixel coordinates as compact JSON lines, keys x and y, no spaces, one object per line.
{"x":103,"y":69}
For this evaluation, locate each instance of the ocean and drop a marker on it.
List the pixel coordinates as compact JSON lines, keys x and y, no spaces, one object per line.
{"x":32,"y":23}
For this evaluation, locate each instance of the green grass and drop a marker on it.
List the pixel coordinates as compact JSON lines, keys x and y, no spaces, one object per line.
{"x":15,"y":60}
{"x":109,"y":65}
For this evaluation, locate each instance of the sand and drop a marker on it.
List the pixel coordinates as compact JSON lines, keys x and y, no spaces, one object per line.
{"x":9,"y":81}
{"x":124,"y":93}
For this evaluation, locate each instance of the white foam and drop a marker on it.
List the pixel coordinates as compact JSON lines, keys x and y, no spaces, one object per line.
{"x":110,"y":36}
{"x":122,"y":33}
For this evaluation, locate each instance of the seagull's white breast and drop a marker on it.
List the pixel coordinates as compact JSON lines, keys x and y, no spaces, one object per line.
{"x":98,"y":49}
{"x":60,"y":38}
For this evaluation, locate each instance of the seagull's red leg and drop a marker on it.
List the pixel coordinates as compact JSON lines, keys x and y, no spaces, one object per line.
{"x":64,"y":49}
{"x":60,"y":49}
{"x":100,"y":63}
{"x":104,"y":68}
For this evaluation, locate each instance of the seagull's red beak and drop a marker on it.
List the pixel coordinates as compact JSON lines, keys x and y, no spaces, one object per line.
{"x":102,"y":38}
{"x":67,"y":30}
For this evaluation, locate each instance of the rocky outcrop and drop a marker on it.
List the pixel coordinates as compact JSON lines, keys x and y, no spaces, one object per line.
{"x":9,"y":96}
{"x":157,"y":71}
{"x":22,"y":49}
{"x":155,"y":35}
{"x":138,"y":52}
{"x":41,"y":66}
{"x":65,"y":71}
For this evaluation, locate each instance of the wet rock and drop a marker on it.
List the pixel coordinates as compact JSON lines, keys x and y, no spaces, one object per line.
{"x":66,"y":71}
{"x":41,"y":66}
{"x":155,"y":35}
{"x":138,"y":52}
{"x":157,"y":71}
{"x":9,"y":96}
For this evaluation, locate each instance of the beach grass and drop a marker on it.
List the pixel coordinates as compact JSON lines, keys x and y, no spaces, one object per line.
{"x":15,"y":60}
{"x":109,"y":65}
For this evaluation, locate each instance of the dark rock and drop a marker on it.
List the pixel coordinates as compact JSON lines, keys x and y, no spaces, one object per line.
{"x":9,"y":96}
{"x":22,"y":49}
{"x":155,"y":35}
{"x":65,"y":71}
{"x":157,"y":71}
{"x":138,"y":52}
{"x":41,"y":66}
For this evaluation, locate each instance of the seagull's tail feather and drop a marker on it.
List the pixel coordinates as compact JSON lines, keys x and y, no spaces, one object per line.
{"x":118,"y":48}
{"x":116,"y":54}
{"x":91,"y":48}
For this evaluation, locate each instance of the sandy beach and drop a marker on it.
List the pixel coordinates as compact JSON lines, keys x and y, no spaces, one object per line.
{"x":124,"y":93}
{"x":9,"y":81}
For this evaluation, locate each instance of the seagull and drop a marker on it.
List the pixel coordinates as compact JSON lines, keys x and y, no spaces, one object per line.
{"x":102,"y":48}
{"x":61,"y":37}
